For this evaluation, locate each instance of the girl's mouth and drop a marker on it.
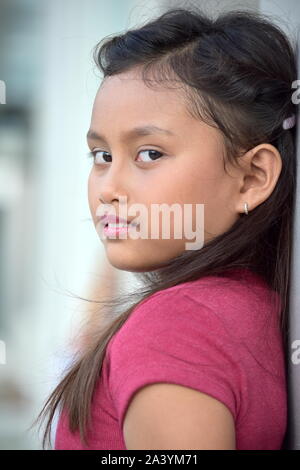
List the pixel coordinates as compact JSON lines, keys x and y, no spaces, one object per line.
{"x":111,"y":229}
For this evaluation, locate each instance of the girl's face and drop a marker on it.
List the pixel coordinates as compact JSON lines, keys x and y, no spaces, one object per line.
{"x":183,"y":165}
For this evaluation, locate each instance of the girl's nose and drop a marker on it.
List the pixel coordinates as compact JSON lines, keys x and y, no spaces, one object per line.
{"x":112,"y":186}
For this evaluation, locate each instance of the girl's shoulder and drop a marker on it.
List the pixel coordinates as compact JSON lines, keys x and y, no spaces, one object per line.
{"x":239,"y":303}
{"x":231,"y":293}
{"x":231,"y":282}
{"x":211,"y":334}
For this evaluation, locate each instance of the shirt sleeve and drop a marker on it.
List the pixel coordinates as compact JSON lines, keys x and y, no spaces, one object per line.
{"x":173,"y":338}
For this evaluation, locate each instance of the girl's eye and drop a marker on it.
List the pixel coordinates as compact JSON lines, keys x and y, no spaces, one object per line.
{"x":96,"y":155}
{"x":152,"y":152}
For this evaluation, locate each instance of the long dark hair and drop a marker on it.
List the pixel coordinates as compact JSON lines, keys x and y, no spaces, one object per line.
{"x":237,"y":71}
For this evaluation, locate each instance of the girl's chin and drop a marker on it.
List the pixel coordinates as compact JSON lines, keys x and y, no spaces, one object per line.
{"x":119,"y":260}
{"x":134,"y":266}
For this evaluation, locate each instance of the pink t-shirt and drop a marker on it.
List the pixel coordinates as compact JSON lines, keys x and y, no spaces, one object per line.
{"x":219,"y":335}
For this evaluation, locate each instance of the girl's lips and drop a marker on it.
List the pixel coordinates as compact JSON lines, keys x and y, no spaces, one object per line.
{"x":111,"y":230}
{"x":113,"y":219}
{"x":134,"y":224}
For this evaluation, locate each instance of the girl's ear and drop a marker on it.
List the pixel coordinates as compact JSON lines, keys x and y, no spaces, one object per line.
{"x":259,"y":173}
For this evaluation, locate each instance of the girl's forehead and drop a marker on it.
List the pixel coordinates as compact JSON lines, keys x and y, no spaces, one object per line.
{"x":125,"y":101}
{"x":137,"y":104}
{"x":131,"y":84}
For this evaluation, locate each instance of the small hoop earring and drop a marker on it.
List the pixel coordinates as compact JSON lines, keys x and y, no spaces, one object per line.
{"x":246,"y":208}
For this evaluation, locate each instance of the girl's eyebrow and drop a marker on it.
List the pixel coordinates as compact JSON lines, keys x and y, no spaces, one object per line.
{"x":132,"y":133}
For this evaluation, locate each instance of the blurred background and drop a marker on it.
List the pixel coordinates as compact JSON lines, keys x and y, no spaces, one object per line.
{"x":48,"y":243}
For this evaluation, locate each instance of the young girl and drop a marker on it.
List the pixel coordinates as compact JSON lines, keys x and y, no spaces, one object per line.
{"x":191,"y":110}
